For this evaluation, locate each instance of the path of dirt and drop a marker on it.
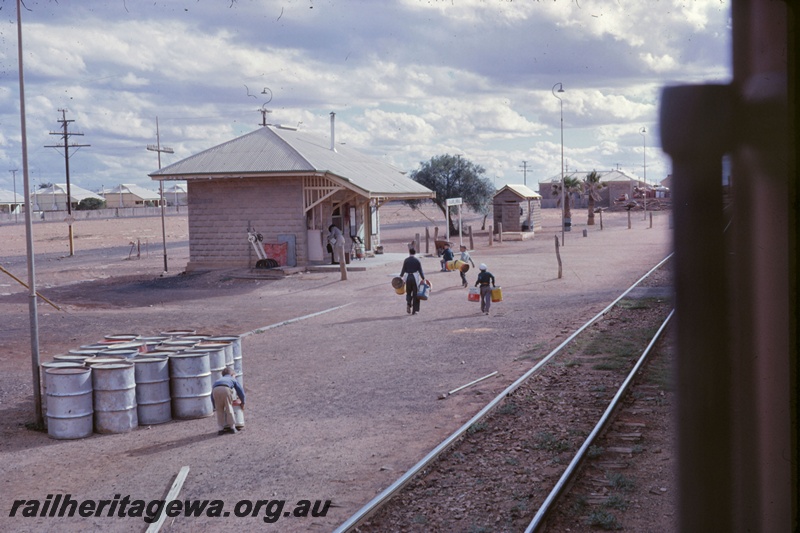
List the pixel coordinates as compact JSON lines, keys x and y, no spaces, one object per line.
{"x":339,"y":404}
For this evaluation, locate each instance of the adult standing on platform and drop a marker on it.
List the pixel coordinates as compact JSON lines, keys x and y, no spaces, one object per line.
{"x":412,"y":269}
{"x":484,"y":279}
{"x":336,"y":242}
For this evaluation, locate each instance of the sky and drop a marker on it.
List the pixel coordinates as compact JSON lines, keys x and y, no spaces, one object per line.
{"x":407,"y":79}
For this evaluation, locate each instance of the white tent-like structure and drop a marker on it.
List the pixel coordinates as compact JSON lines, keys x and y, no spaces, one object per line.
{"x":129,"y":195}
{"x":54,"y":197}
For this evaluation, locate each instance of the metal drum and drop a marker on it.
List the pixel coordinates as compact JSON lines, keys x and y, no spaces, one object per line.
{"x":69,"y":402}
{"x":120,"y":337}
{"x":125,"y":353}
{"x":153,"y":400}
{"x":238,"y":368}
{"x":216,"y":357}
{"x":43,"y":379}
{"x":114,"y":397}
{"x":150,"y":343}
{"x":190,"y":383}
{"x":178,"y":343}
{"x":233,"y":345}
{"x":70,"y":358}
{"x":103,"y":360}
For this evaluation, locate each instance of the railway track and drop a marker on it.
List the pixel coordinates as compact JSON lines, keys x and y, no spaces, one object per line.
{"x":504,"y":469}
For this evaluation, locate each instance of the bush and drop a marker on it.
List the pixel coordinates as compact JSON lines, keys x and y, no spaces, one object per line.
{"x":90,"y":204}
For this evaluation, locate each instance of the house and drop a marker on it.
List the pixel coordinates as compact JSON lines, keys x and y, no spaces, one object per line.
{"x":617,"y":185}
{"x":130,"y":195}
{"x":517,"y":208}
{"x":54,"y":197}
{"x":176,"y":195}
{"x":288,"y":186}
{"x":11,"y":202}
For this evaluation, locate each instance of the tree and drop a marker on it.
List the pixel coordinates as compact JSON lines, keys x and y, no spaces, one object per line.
{"x":571,"y":185}
{"x":591,"y":188}
{"x":454,"y":177}
{"x":89,"y":204}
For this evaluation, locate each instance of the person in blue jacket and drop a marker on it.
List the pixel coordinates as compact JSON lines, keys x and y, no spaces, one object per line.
{"x":224,"y":392}
{"x":447,"y":255}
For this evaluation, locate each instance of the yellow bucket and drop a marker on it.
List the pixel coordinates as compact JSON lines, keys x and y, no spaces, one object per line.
{"x":497,"y":294}
{"x":399,"y":285}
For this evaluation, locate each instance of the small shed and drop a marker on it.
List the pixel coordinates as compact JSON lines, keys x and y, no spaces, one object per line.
{"x":518,"y":208}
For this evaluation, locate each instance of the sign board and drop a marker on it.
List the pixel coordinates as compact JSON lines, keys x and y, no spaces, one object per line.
{"x":453,"y":201}
{"x":70,"y":220}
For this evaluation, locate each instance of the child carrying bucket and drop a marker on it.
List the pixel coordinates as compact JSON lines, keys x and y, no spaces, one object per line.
{"x":465,"y":258}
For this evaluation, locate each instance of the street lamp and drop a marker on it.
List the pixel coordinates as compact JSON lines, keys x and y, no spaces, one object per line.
{"x":643,"y":131}
{"x":561,"y":103}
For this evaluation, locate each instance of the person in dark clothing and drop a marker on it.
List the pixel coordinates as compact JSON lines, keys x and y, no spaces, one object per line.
{"x":412,"y":269}
{"x":447,"y":255}
{"x":484,"y":279}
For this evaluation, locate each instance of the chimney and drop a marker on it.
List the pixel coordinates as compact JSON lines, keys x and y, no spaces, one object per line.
{"x":333,"y":132}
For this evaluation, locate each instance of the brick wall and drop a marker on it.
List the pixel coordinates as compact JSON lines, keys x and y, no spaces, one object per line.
{"x":221,"y":211}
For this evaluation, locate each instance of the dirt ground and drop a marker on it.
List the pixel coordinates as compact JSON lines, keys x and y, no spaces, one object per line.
{"x":339,"y":403}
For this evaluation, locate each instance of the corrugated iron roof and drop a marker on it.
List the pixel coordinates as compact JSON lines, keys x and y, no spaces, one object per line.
{"x":605,"y":175}
{"x":270,"y":150}
{"x":135,"y":190}
{"x":77,"y":193}
{"x":7,"y":197}
{"x":520,"y":190}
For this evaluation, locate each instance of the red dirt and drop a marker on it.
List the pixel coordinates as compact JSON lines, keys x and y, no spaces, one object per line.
{"x":339,"y":404}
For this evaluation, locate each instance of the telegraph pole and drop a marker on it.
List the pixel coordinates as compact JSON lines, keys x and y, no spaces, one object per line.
{"x":158,"y":149}
{"x":65,"y":134}
{"x":524,"y":168}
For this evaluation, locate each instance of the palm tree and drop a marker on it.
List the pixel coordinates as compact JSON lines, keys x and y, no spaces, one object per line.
{"x":591,"y":188}
{"x":571,"y":185}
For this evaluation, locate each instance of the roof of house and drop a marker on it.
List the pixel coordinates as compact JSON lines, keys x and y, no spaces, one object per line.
{"x":77,"y":193}
{"x":7,"y":197}
{"x":135,"y":190}
{"x":523,"y":191}
{"x":605,"y":176}
{"x":275,"y":151}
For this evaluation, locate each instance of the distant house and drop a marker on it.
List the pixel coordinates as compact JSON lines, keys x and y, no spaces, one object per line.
{"x":517,"y":208}
{"x":54,"y":197}
{"x":287,"y":185}
{"x":617,"y":185}
{"x":129,"y":195}
{"x":176,"y":195}
{"x":11,"y":202}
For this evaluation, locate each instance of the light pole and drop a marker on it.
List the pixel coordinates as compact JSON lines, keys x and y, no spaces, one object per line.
{"x":643,"y":131}
{"x":561,"y":104}
{"x":16,"y":209}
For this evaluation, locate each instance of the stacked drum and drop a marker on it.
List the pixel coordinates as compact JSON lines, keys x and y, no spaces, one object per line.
{"x":127,"y":380}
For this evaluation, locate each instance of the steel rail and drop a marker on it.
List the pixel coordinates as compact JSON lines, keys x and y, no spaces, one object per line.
{"x":387,"y":493}
{"x":573,"y":465}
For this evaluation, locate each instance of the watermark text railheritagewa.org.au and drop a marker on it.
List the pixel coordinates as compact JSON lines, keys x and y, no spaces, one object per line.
{"x":65,"y":506}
